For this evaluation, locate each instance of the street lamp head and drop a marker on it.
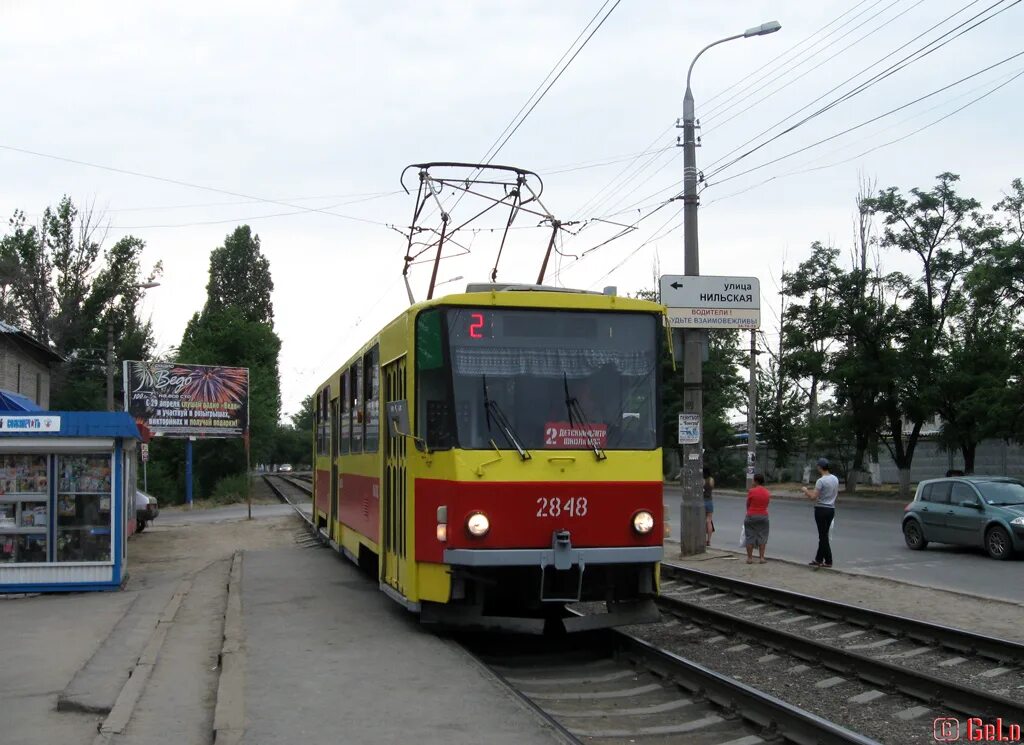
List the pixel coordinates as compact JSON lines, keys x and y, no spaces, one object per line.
{"x":148,"y":285}
{"x":765,"y":28}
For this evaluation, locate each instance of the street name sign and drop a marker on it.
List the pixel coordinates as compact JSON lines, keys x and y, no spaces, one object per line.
{"x":711,"y":302}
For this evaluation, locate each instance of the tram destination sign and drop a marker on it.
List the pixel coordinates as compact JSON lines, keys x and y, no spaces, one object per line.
{"x":169,"y":399}
{"x":711,"y":302}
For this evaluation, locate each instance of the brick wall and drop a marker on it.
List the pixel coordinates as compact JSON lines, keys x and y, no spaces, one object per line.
{"x":21,"y":372}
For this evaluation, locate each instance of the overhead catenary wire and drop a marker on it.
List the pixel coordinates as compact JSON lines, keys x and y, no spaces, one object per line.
{"x":709,"y":108}
{"x":871,"y":120}
{"x":179,"y":182}
{"x":517,"y":121}
{"x":247,"y":218}
{"x":944,"y":117}
{"x":713,"y":117}
{"x":914,"y":56}
{"x":499,"y":143}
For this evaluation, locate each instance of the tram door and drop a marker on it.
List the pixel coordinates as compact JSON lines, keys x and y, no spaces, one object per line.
{"x":393,"y":510}
{"x":334,"y":532}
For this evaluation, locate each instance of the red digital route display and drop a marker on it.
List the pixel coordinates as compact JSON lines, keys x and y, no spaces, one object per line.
{"x":476,"y":325}
{"x":566,"y":435}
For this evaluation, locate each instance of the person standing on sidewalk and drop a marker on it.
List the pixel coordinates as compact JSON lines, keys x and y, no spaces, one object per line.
{"x":709,"y":504}
{"x":824,"y":494}
{"x":755,"y":524}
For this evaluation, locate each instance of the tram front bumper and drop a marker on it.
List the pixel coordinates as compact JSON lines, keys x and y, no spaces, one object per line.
{"x":557,"y":557}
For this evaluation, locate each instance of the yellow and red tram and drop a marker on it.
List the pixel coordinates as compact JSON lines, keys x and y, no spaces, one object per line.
{"x":495,"y":455}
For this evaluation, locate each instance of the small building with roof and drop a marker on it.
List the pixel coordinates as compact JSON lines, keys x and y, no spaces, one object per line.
{"x":67,"y":499}
{"x":25,"y":364}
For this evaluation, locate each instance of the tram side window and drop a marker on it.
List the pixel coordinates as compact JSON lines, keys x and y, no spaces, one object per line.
{"x":371,"y":396}
{"x":356,"y":382}
{"x":318,"y":415}
{"x":346,"y":413}
{"x":435,"y":412}
{"x":323,"y":422}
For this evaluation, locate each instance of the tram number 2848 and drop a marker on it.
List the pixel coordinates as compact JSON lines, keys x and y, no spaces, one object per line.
{"x":556,"y":507}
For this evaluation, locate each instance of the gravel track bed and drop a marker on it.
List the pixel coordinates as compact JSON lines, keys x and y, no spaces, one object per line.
{"x":793,"y":680}
{"x":969,"y":670}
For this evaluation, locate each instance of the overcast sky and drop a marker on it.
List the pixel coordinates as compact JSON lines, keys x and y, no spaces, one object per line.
{"x":321,"y":105}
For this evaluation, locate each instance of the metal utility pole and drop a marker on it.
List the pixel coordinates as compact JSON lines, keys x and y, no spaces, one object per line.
{"x":752,"y":412}
{"x":694,"y":340}
{"x":110,"y":366}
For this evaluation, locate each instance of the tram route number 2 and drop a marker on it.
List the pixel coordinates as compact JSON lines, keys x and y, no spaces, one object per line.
{"x":556,"y":507}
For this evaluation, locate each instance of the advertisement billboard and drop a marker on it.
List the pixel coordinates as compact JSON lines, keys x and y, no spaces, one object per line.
{"x":170,"y":399}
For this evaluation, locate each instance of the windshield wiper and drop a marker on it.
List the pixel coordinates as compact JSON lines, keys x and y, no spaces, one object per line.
{"x":493,"y":411}
{"x":577,"y":415}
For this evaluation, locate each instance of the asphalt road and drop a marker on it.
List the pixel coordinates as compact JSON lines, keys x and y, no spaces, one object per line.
{"x":867,"y":539}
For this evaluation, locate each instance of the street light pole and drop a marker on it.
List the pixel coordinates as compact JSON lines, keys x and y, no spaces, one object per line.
{"x":695,"y":339}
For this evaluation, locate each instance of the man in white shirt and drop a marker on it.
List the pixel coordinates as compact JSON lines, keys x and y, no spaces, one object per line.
{"x":824,"y":494}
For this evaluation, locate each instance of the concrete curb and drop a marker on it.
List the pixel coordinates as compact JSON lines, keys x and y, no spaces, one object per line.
{"x":736,"y":553}
{"x":229,"y":714}
{"x":117,"y":721}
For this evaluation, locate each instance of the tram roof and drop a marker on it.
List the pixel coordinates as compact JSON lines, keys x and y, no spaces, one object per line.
{"x":516,"y":296}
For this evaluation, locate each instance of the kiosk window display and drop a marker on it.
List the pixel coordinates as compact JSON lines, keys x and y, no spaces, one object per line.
{"x":67,"y":500}
{"x":24,"y":508}
{"x":83,"y":507}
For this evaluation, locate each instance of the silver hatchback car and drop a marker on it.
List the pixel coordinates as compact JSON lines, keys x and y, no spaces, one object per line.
{"x":982,"y":511}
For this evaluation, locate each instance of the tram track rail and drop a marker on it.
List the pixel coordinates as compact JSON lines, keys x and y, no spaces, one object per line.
{"x":954,"y":639}
{"x":271,"y":481}
{"x":842,"y":651}
{"x":610,"y":686}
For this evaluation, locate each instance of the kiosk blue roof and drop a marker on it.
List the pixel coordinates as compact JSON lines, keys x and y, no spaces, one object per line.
{"x":10,"y":401}
{"x":72,"y":424}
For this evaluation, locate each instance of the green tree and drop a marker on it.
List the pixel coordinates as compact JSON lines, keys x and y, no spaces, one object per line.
{"x":235,"y":328}
{"x":945,"y":234}
{"x":808,"y":326}
{"x":240,"y":278}
{"x":780,"y":411}
{"x":840,"y":329}
{"x":724,"y":390}
{"x":59,"y":283}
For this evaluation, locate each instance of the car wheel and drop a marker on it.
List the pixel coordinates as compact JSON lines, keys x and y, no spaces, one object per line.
{"x":914,"y":535}
{"x":997,"y":543}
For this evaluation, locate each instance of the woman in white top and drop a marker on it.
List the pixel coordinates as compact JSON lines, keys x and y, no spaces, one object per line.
{"x":824,"y":494}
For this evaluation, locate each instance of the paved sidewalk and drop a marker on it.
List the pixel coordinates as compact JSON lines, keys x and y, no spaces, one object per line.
{"x":329,"y":658}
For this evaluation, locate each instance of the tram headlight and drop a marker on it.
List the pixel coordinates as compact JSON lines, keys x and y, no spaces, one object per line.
{"x":477,"y":524}
{"x":643,"y":522}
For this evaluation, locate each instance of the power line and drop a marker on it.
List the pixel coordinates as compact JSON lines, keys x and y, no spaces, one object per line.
{"x":1012,"y":76}
{"x":585,"y":165}
{"x":806,"y":72}
{"x":872,"y":119}
{"x":919,"y":53}
{"x":595,"y":199}
{"x":555,"y":80}
{"x":781,"y":66}
{"x":488,"y":155}
{"x":497,"y":146}
{"x":178,"y":182}
{"x":355,"y":199}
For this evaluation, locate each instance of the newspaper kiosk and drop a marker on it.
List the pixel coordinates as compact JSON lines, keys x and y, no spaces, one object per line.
{"x":67,"y":496}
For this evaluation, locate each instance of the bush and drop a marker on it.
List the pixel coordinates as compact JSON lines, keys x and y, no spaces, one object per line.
{"x":230,"y":489}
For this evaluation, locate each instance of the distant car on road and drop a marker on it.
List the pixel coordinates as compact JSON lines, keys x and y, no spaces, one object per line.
{"x":982,"y":511}
{"x":146,"y":510}
{"x":285,"y":467}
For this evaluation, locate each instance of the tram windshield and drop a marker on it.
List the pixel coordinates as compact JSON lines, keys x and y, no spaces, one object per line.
{"x":537,"y":379}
